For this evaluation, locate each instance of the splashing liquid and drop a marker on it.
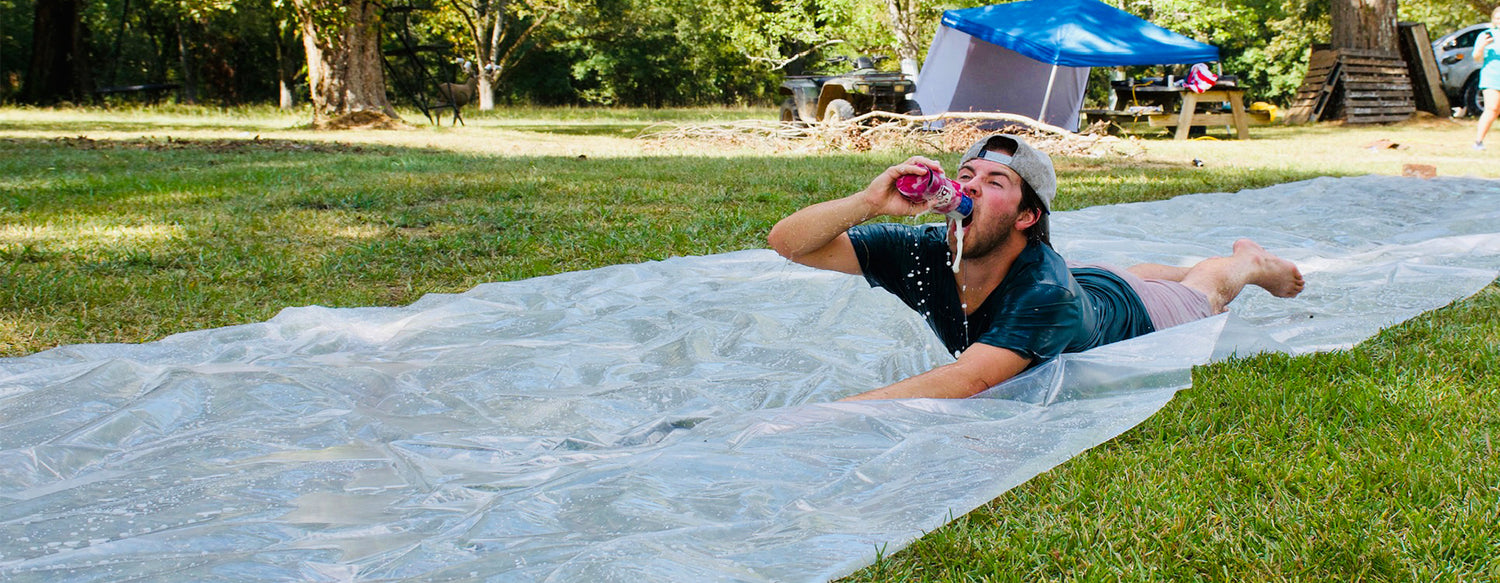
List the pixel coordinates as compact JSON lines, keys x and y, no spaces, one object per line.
{"x":947,"y":198}
{"x":958,"y":232}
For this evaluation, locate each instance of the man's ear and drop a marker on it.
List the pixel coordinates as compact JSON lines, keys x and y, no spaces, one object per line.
{"x":1027,"y":218}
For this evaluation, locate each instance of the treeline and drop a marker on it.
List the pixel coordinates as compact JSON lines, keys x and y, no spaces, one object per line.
{"x":580,"y":52}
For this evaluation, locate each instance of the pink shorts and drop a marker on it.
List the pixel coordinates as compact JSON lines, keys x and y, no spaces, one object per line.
{"x":1169,"y":303}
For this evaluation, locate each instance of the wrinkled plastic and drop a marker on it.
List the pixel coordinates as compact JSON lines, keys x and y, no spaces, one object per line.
{"x":661,"y":421}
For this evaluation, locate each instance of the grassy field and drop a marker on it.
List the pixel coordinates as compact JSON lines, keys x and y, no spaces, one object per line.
{"x":1376,"y":463}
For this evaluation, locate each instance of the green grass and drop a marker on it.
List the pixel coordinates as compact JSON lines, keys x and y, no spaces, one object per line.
{"x":131,"y":241}
{"x":1375,"y":463}
{"x":177,"y":118}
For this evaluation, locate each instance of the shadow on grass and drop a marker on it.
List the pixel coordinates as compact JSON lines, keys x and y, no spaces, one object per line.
{"x":142,"y":126}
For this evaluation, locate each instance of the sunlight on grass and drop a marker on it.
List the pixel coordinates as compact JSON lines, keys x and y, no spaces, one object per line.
{"x":78,"y":237}
{"x":146,"y":120}
{"x":360,"y":232}
{"x":18,"y":332}
{"x":1413,"y":389}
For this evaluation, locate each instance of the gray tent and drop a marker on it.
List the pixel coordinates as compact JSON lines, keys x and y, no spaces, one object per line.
{"x":1032,"y":58}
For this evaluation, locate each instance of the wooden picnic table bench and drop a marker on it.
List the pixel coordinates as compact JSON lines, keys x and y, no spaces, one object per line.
{"x":1180,"y":107}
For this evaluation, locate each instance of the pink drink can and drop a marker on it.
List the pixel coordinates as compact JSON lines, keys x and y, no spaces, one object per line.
{"x":948,"y":194}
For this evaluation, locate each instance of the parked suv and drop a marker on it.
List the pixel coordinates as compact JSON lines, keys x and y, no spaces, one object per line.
{"x":836,"y":97}
{"x":1456,"y":66}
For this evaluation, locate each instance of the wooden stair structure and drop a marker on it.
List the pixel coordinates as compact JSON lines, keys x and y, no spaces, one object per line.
{"x":1357,"y":85}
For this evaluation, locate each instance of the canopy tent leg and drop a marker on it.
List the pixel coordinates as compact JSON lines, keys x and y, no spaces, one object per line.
{"x":1042,"y":117}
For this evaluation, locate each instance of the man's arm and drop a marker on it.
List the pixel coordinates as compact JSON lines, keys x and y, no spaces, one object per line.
{"x":818,"y":235}
{"x":980,"y":367}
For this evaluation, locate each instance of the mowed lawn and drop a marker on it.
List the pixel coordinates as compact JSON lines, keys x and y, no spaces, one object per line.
{"x":1376,"y":463}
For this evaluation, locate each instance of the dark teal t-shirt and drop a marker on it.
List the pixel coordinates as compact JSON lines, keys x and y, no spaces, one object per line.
{"x":1041,"y":309}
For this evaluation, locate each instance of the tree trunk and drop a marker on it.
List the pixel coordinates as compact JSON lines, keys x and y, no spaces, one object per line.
{"x":491,"y":22}
{"x":342,"y":39}
{"x":486,"y":92}
{"x":490,"y":19}
{"x":283,"y":73}
{"x":284,"y":91}
{"x":903,"y":26}
{"x":1365,"y":24}
{"x":114,"y":53}
{"x":189,"y":80}
{"x":59,"y":65}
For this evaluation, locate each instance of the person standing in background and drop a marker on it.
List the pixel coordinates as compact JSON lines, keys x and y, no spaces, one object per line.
{"x":1487,"y":54}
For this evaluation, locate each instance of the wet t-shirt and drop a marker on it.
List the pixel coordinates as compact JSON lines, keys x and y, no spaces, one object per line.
{"x":1040,"y":309}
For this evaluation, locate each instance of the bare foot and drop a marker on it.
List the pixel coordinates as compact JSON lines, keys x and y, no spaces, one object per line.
{"x":1274,"y":274}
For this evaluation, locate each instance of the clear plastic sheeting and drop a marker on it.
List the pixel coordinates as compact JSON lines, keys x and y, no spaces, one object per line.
{"x":661,"y":421}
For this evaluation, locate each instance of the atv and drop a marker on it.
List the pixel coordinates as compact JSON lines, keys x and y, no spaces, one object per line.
{"x":833,"y":98}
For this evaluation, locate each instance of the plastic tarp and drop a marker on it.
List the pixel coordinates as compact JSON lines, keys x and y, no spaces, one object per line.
{"x":661,"y":421}
{"x":1020,"y":56}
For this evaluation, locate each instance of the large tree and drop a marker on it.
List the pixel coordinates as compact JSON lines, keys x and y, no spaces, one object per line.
{"x":1365,"y":24}
{"x":498,"y":32}
{"x":344,"y":67}
{"x":59,"y":58}
{"x":911,"y":28}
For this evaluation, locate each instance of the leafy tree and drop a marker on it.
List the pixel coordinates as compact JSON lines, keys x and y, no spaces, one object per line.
{"x":344,"y":67}
{"x":1263,"y":42}
{"x":627,"y":52}
{"x":665,"y":52}
{"x":1445,"y":16}
{"x":282,"y":19}
{"x":786,"y":34}
{"x":497,"y":33}
{"x":188,"y":17}
{"x":15,"y":44}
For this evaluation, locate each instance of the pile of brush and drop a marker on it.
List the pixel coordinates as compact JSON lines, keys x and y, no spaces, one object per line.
{"x":952,"y":132}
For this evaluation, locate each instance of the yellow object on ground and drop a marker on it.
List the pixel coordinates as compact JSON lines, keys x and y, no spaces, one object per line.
{"x":1270,"y":111}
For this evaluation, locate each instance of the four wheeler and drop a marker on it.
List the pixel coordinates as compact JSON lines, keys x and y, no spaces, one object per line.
{"x":839,"y":97}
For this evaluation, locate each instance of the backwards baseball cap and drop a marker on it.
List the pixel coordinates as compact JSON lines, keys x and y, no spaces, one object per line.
{"x":1034,"y":166}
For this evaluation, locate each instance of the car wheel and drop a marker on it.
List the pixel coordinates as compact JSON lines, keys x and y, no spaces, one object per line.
{"x":1473,"y":97}
{"x":838,"y":110}
{"x":910,"y":107}
{"x":789,"y":110}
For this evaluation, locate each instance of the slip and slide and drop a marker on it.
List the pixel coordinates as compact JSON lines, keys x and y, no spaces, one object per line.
{"x":669,"y":420}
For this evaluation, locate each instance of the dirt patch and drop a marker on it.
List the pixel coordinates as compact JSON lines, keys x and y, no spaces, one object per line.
{"x":362,"y":120}
{"x":218,"y":146}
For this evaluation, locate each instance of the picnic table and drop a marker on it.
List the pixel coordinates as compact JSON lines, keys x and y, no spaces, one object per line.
{"x":1179,"y":107}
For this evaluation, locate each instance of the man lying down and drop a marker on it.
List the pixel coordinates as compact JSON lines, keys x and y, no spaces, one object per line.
{"x":1010,"y":302}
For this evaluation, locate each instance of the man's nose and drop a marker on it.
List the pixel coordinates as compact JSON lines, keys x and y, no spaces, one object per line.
{"x":970,"y":186}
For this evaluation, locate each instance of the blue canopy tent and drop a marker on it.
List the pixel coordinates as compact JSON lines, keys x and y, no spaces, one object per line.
{"x":1015,"y":57}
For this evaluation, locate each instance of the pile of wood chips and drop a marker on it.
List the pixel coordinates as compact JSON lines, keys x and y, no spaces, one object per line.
{"x":881,"y":131}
